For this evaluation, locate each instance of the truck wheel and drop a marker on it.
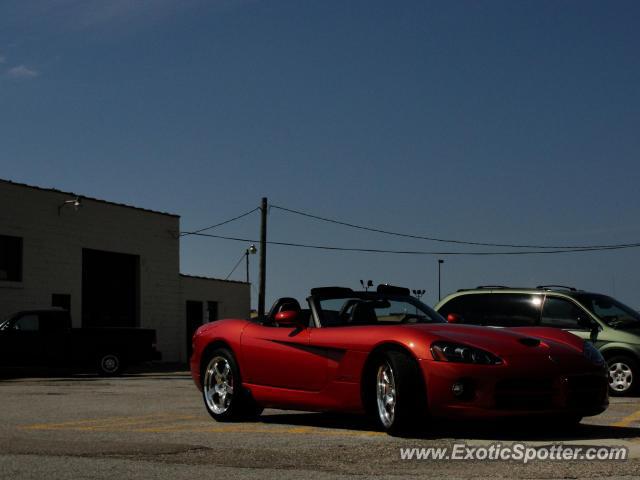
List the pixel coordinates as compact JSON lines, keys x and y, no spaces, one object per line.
{"x":398,"y":403}
{"x":222,"y":391}
{"x":623,"y":375}
{"x":109,"y":364}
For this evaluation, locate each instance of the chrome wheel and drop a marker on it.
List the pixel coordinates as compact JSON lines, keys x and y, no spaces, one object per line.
{"x":620,"y":377}
{"x":386,"y":394}
{"x":218,"y":385}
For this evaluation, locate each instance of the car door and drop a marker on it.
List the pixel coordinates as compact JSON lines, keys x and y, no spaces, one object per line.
{"x":562,"y":313}
{"x":280,"y":356}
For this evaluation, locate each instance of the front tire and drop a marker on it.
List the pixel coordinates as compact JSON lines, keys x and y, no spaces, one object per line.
{"x":222,"y":392}
{"x":398,"y":403}
{"x":623,"y":375}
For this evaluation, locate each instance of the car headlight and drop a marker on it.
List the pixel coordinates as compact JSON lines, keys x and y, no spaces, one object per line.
{"x":593,"y":354}
{"x":455,"y":352}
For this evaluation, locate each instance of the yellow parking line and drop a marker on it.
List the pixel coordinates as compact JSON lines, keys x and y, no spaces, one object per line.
{"x":119,"y":425}
{"x":628,"y":420}
{"x":257,"y":429}
{"x":201,"y":428}
{"x":291,"y":431}
{"x":167,"y":422}
{"x":95,"y":423}
{"x":188,"y":424}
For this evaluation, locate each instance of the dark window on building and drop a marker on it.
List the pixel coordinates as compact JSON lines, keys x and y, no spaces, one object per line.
{"x":10,"y":258}
{"x":194,"y":320}
{"x":561,"y":313}
{"x":212,"y":311}
{"x":497,"y":310}
{"x":62,"y":300}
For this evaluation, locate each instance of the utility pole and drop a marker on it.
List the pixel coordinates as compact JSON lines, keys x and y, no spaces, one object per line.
{"x":440,"y":262}
{"x":263,"y":257}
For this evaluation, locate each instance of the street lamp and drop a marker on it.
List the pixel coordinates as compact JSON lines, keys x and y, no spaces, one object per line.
{"x":440,"y":262}
{"x":249,"y":251}
{"x":366,"y":285}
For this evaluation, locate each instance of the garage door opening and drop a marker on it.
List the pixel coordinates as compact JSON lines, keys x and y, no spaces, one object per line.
{"x":110,"y":289}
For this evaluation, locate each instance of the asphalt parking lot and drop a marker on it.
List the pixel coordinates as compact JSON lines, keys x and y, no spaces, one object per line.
{"x":153,"y":425}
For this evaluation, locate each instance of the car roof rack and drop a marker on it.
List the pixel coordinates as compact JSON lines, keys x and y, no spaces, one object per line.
{"x":491,"y":287}
{"x":556,"y":287}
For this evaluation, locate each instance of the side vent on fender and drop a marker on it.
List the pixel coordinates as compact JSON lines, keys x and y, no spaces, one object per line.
{"x":529,"y":342}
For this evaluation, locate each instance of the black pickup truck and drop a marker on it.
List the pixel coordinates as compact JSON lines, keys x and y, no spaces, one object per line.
{"x":44,"y":338}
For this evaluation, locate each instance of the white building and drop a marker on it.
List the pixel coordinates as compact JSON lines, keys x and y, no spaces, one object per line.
{"x":109,"y":264}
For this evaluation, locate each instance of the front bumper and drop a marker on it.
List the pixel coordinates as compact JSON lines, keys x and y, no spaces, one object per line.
{"x":515,"y":388}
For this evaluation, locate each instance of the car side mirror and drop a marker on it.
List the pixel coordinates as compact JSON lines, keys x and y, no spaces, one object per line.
{"x":455,"y":318}
{"x":289,"y":318}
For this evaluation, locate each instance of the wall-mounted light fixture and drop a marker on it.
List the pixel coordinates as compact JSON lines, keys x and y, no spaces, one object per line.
{"x":76,"y":203}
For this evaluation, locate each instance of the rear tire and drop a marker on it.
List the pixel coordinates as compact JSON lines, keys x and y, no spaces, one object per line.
{"x":623,"y":375}
{"x":224,"y":397}
{"x":396,"y":395}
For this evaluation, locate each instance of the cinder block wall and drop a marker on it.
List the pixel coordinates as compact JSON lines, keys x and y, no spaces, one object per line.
{"x":52,"y":256}
{"x":234,"y":298}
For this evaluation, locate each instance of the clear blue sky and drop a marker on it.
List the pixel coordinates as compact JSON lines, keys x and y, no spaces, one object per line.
{"x":497,"y":121}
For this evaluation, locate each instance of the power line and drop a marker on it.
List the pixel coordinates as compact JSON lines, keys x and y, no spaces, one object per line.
{"x":234,"y":268}
{"x":459,"y":242}
{"x":183,"y":234}
{"x":422,"y":252}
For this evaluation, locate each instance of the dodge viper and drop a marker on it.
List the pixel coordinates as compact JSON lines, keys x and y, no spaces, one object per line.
{"x":387,"y":354}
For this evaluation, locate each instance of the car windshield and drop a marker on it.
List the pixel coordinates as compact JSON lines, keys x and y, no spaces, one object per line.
{"x":375,"y":309}
{"x":612,"y":312}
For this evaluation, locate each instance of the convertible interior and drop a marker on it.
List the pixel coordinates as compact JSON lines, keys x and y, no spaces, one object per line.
{"x":352,"y":312}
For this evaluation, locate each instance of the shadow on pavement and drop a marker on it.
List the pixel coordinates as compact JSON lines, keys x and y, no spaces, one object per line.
{"x":506,"y":430}
{"x":161,"y":371}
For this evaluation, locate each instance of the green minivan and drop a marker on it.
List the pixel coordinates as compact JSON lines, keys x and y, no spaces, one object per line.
{"x":612,"y":326}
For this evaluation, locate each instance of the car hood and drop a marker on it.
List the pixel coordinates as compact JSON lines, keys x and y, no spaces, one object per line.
{"x":506,"y":342}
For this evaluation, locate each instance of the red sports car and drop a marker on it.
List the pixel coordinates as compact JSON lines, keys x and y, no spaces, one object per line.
{"x":387,"y":354}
